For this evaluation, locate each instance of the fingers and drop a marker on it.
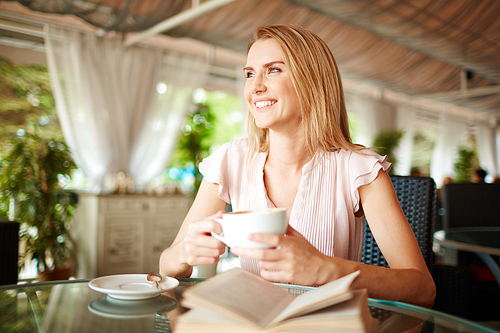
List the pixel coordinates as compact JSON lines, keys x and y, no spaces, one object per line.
{"x":277,"y":275}
{"x":292,"y":259}
{"x":199,"y":247}
{"x":259,"y":254}
{"x":217,"y":215}
{"x":202,"y":255}
{"x":273,"y":241}
{"x":269,"y":239}
{"x":204,"y":227}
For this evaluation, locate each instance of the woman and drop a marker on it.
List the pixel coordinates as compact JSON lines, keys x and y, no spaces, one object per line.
{"x":299,"y":155}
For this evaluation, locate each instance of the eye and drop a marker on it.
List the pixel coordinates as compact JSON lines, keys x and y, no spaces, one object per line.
{"x":273,"y":70}
{"x":249,"y":75}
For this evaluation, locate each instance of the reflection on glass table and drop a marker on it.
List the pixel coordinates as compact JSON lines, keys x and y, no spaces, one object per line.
{"x":72,"y":306}
{"x":483,"y":241}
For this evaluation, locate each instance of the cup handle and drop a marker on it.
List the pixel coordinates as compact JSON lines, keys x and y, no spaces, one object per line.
{"x":219,"y":237}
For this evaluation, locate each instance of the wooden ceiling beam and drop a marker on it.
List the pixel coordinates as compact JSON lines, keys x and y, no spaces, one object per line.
{"x":459,"y":94}
{"x":176,"y":20}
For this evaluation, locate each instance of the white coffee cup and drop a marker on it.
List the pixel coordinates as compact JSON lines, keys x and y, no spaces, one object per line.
{"x":237,"y":226}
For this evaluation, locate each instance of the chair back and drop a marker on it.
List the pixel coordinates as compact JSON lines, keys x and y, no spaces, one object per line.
{"x":417,"y":197}
{"x":9,"y":251}
{"x":471,"y":205}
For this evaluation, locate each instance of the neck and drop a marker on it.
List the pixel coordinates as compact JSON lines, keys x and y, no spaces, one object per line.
{"x":288,"y":151}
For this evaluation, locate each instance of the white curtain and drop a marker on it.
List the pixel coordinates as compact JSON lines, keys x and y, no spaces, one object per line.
{"x":374,"y":117}
{"x":451,"y":133}
{"x":487,"y":148}
{"x":120,"y":108}
{"x":406,"y":118}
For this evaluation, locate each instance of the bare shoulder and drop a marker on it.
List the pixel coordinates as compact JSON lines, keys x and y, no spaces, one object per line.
{"x":382,"y":185}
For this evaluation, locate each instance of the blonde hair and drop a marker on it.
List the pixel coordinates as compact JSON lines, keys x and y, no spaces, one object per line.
{"x":317,"y":81}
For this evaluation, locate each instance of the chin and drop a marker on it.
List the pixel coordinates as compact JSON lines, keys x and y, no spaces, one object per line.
{"x":261,"y":125}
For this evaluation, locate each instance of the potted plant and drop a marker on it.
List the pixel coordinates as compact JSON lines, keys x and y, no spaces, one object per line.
{"x":465,"y":163}
{"x":31,"y":175}
{"x":386,"y":142}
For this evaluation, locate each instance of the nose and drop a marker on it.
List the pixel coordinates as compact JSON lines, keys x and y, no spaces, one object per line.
{"x":258,"y":85}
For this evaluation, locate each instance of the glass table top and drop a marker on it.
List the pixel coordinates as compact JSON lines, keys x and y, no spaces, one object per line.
{"x":488,"y":237}
{"x":71,"y":306}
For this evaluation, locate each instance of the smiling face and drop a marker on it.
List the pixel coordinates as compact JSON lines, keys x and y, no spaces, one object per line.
{"x":269,"y":91}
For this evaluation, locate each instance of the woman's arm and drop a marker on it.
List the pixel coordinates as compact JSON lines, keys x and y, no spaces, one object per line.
{"x":408,"y":279}
{"x":194,"y":244}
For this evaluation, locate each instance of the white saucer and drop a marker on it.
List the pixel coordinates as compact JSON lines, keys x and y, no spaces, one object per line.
{"x":116,"y":308}
{"x":131,"y":286}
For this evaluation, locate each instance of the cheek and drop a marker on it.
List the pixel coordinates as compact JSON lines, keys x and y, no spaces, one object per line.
{"x":247,"y":89}
{"x":247,"y":94}
{"x":250,"y":107}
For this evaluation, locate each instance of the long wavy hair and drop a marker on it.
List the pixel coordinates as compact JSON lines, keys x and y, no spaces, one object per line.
{"x":316,"y":79}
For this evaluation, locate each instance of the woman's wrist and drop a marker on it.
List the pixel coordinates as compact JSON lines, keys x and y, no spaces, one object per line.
{"x":334,"y":268}
{"x":172,"y":262}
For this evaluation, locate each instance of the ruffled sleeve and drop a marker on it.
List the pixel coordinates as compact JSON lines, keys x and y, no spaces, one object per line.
{"x":223,"y":167}
{"x":363,"y":169}
{"x":214,"y":167}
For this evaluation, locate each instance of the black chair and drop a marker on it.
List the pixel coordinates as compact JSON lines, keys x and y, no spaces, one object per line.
{"x":9,"y":251}
{"x":471,"y":205}
{"x":417,"y":197}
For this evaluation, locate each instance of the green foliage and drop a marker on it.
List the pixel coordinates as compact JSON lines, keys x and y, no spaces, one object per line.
{"x":195,"y":140}
{"x":21,"y":308}
{"x":423,"y":148}
{"x":26,"y":99}
{"x":31,"y":164}
{"x":30,"y":174}
{"x":228,"y":117}
{"x":216,"y":120}
{"x":466,"y":162}
{"x":386,"y":142}
{"x":353,"y":120}
{"x":16,"y":309}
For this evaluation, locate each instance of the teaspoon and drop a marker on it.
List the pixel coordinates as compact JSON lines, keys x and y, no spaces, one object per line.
{"x":155,"y":278}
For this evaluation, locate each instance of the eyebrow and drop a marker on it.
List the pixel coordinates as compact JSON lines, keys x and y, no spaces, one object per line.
{"x":266,"y":65}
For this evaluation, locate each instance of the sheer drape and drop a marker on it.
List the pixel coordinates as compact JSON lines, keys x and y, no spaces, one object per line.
{"x":377,"y":116}
{"x":406,"y":119}
{"x":374,"y":117}
{"x":486,"y":138}
{"x":451,"y":132}
{"x":112,"y":114}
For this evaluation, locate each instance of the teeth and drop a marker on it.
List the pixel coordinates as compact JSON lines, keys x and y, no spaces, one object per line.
{"x":263,"y":104}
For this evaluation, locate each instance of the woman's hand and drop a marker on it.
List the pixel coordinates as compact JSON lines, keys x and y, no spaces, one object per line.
{"x":291,"y":260}
{"x":194,"y":244}
{"x":198,"y":247}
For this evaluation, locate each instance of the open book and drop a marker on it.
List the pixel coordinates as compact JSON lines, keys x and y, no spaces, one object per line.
{"x":239,"y":301}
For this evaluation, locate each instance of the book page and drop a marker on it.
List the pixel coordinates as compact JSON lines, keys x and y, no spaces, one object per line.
{"x":242,"y":295}
{"x":350,"y":316}
{"x":315,"y":299}
{"x":202,"y":320}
